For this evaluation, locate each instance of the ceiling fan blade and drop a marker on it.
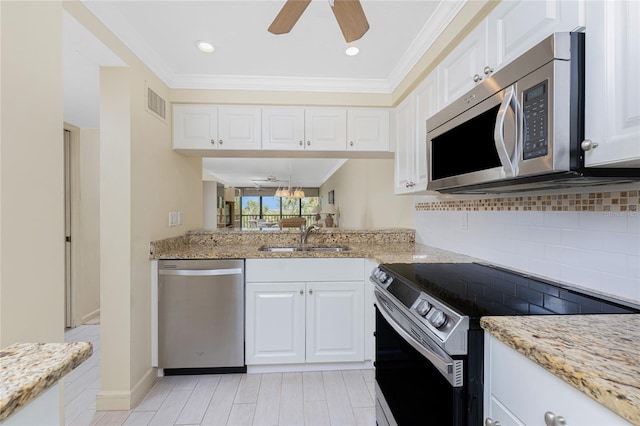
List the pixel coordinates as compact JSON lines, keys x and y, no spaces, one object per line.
{"x":288,"y":16}
{"x":351,"y":19}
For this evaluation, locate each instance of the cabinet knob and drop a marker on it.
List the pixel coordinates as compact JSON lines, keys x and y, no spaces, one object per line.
{"x":308,"y":143}
{"x":490,"y":422}
{"x":588,"y":145}
{"x":213,"y":141}
{"x":220,"y":141}
{"x":476,"y":78}
{"x":310,"y":291}
{"x":550,"y":419}
{"x":351,"y":143}
{"x":301,"y":143}
{"x":301,"y":292}
{"x":487,"y":70}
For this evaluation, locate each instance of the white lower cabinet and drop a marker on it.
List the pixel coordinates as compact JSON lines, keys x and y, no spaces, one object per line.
{"x":304,"y":311}
{"x":520,"y":392}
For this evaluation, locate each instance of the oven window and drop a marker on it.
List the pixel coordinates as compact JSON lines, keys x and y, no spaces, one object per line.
{"x":414,"y":390}
{"x":469,"y":147}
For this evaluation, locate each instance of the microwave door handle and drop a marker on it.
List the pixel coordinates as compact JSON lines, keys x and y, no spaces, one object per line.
{"x":498,"y":132}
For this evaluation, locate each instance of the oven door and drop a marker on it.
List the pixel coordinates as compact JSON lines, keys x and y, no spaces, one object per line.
{"x":410,"y":389}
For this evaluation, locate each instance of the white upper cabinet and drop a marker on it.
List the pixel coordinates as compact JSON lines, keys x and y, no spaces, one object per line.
{"x":515,"y":27}
{"x":612,"y":98}
{"x":411,"y":136}
{"x":211,"y":127}
{"x":509,"y":30}
{"x":195,"y":127}
{"x":239,"y":128}
{"x":283,"y":128}
{"x":325,"y":129}
{"x":367,"y":129}
{"x":463,"y":67}
{"x":404,"y":125}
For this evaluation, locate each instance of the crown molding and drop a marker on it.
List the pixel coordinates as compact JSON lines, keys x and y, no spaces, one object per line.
{"x":257,"y":82}
{"x":443,"y":15}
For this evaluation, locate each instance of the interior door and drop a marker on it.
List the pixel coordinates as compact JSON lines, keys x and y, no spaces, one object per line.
{"x":68,"y":300}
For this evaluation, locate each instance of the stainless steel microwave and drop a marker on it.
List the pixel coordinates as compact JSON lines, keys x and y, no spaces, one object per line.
{"x":521,"y":129}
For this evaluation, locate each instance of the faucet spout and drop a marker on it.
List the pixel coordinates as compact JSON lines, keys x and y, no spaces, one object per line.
{"x":304,"y":233}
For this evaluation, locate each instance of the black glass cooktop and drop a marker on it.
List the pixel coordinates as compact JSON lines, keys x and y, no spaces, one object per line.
{"x":477,"y":290}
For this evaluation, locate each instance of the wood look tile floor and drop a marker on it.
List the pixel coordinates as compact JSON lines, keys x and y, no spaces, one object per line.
{"x":341,"y":398}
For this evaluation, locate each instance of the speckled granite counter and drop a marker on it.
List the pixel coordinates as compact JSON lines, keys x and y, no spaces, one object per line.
{"x":389,"y":245}
{"x":597,"y":354}
{"x":28,"y":369}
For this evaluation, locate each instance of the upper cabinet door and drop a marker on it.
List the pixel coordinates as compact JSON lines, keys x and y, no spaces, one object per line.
{"x":326,"y":129}
{"x":463,"y":67}
{"x":515,"y":27}
{"x":404,"y":130}
{"x":367,"y":129}
{"x":426,"y":105}
{"x":612,"y":87}
{"x":195,"y":127}
{"x":283,"y":128}
{"x":239,"y":128}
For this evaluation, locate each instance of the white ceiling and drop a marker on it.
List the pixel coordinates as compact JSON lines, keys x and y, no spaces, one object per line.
{"x":310,"y":58}
{"x":247,"y":56}
{"x":241,"y":172}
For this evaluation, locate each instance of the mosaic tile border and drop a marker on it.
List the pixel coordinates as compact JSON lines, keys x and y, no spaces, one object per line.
{"x":620,"y":201}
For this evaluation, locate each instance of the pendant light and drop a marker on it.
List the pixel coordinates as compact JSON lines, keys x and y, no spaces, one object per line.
{"x":288,"y":192}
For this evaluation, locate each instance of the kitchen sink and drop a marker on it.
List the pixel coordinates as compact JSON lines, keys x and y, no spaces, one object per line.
{"x":304,"y":248}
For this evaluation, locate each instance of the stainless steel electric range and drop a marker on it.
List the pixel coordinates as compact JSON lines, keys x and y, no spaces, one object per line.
{"x":429,"y":344}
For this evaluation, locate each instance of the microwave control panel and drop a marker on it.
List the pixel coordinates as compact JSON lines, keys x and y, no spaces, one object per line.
{"x":535,"y":107}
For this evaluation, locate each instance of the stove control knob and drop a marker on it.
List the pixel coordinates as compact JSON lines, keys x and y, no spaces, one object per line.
{"x":383,"y":277}
{"x":423,"y":307}
{"x":437,"y":318}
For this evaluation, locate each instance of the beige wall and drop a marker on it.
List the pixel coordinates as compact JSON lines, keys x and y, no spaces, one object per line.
{"x":141,"y":181}
{"x":31,"y":173}
{"x":363,"y":191}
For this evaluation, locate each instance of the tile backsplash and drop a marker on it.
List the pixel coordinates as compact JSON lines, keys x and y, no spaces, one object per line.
{"x":589,"y":240}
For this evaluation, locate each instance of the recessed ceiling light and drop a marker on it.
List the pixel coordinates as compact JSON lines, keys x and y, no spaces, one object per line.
{"x":352,"y":51}
{"x":205,"y":46}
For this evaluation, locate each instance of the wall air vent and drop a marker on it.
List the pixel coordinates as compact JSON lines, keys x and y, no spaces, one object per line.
{"x":156,"y":104}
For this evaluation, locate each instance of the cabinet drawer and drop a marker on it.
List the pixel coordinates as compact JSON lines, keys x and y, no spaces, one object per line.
{"x":528,"y":391}
{"x":304,"y":269}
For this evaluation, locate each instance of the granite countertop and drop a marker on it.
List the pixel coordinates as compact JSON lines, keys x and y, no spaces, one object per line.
{"x":603,"y":363}
{"x":28,"y":369}
{"x":387,"y":245}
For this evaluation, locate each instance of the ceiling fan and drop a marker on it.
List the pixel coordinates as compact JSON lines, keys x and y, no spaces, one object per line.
{"x":349,"y":14}
{"x":268,"y":179}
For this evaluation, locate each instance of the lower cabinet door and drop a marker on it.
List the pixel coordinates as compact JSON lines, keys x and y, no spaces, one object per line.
{"x":275,"y":323}
{"x":335,"y":321}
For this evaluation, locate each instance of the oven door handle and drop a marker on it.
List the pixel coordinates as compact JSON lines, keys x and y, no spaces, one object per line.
{"x":451,"y":369}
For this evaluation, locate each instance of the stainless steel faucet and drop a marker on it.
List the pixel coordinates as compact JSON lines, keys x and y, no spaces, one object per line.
{"x":304,"y":233}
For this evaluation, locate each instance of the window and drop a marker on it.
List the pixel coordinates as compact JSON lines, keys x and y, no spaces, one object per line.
{"x":263,"y":211}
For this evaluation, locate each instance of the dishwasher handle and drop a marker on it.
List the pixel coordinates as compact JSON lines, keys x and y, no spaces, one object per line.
{"x":200,"y":272}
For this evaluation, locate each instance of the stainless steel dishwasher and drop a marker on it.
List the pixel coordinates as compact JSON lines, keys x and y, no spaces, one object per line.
{"x":201,"y":316}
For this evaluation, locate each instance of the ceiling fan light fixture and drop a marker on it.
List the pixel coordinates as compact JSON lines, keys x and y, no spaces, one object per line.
{"x":205,"y":46}
{"x":352,"y":51}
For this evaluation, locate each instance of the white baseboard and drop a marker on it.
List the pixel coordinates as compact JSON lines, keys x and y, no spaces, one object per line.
{"x":126,"y":400}
{"x":288,"y":368}
{"x":143,"y":385}
{"x":86,"y":318}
